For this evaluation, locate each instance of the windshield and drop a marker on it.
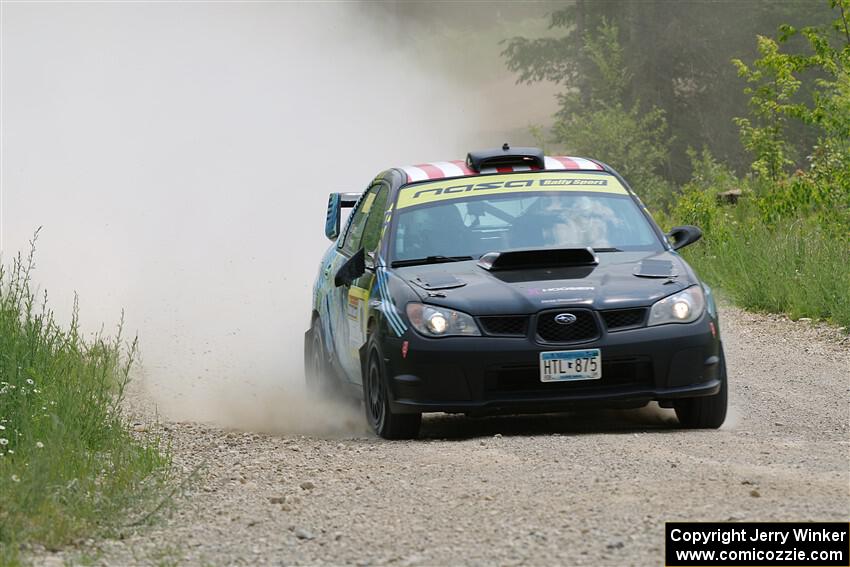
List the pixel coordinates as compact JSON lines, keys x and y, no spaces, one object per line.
{"x":463,"y":220}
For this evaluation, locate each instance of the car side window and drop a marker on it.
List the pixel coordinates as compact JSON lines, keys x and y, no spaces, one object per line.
{"x":375,"y":222}
{"x":358,"y":222}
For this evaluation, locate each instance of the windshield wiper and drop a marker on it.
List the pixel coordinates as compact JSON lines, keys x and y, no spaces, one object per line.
{"x":607,"y":250}
{"x":429,"y":260}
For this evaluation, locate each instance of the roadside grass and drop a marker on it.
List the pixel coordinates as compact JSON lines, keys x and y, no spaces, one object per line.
{"x":69,"y":466}
{"x":798,"y":269}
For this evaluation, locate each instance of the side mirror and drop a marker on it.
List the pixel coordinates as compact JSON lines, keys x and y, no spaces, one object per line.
{"x":351,"y":270}
{"x":681,"y":236}
{"x":333,"y":219}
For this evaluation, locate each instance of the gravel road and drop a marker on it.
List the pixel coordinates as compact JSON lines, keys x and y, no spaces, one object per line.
{"x":586,"y":489}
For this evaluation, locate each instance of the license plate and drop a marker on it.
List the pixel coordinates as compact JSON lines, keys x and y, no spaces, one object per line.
{"x":566,"y":365}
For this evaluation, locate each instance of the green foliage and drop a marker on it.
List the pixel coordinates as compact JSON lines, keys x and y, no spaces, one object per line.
{"x":782,"y":248}
{"x":68,"y":465}
{"x":698,"y":202}
{"x":676,"y":58}
{"x":631,"y":140}
{"x":795,"y":268}
{"x":821,"y":191}
{"x":608,"y":77}
{"x":775,"y":84}
{"x":776,"y":98}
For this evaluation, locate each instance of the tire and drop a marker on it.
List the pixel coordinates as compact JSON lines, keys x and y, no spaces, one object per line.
{"x":706,"y":412}
{"x":316,"y":368}
{"x":376,"y":400}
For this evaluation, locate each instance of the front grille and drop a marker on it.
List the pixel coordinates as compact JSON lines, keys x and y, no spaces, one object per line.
{"x":615,"y":373}
{"x":617,"y":319}
{"x":505,"y":326}
{"x":582,"y":329}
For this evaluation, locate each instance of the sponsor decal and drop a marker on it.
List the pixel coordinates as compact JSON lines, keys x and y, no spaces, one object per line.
{"x":466,"y":188}
{"x":353,"y":310}
{"x":367,"y":203}
{"x":550,"y":182}
{"x":506,"y":184}
{"x":539,"y":291}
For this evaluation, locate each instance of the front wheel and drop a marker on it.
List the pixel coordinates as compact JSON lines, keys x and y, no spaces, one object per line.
{"x":380,"y":416}
{"x":706,"y":412}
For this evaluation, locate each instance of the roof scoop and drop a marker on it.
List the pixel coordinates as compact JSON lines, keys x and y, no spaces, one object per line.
{"x":538,"y":258}
{"x":506,"y":156}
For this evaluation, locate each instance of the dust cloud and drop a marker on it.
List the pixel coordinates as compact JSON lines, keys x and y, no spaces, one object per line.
{"x":179,"y":157}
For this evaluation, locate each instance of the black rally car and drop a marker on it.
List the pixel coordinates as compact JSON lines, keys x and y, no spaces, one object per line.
{"x":510,"y":282}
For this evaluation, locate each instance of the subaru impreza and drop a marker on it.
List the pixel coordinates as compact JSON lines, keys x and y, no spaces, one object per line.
{"x":510,"y":282}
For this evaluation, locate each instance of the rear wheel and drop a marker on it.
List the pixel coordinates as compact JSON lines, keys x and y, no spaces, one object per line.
{"x":380,"y":416}
{"x":706,"y":412}
{"x":316,"y":362}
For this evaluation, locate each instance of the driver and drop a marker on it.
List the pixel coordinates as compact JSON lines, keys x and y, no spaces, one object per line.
{"x":438,"y":231}
{"x":559,"y":220}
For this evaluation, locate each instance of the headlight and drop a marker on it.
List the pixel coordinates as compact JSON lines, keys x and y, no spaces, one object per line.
{"x":683,"y":307}
{"x":440,"y":322}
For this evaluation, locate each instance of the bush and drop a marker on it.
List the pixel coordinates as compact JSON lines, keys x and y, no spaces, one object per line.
{"x":633,"y":142}
{"x":795,"y":268}
{"x":698,"y":202}
{"x":783,"y":248}
{"x":597,"y":122}
{"x":69,"y":466}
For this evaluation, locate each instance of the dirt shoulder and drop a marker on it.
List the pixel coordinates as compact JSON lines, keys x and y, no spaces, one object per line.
{"x":592,"y":488}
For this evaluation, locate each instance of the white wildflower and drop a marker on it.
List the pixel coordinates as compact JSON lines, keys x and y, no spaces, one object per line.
{"x":15,"y":478}
{"x":4,"y":441}
{"x":30,"y":381}
{"x":2,"y":427}
{"x":39,"y":444}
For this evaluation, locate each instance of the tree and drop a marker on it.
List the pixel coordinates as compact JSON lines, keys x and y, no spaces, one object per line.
{"x":676,"y":57}
{"x":595,"y":120}
{"x":804,"y":86}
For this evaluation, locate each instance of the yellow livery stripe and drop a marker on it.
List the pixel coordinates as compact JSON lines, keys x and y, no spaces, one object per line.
{"x":508,"y":184}
{"x":359,"y":293}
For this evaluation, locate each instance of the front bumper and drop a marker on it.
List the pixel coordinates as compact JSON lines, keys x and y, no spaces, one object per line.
{"x":499,"y":374}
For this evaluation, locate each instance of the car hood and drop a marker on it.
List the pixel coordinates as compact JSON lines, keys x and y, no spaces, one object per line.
{"x":620,"y":280}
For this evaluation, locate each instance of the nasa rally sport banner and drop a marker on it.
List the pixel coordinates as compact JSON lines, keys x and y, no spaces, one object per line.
{"x":761,"y":544}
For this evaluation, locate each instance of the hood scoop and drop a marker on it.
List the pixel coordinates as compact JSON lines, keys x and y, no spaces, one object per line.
{"x":655,"y":269}
{"x":437,"y":280}
{"x":538,"y":258}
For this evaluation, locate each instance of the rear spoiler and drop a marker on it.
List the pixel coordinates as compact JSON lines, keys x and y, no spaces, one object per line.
{"x":538,"y":258}
{"x":337,"y":202}
{"x":348,"y":200}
